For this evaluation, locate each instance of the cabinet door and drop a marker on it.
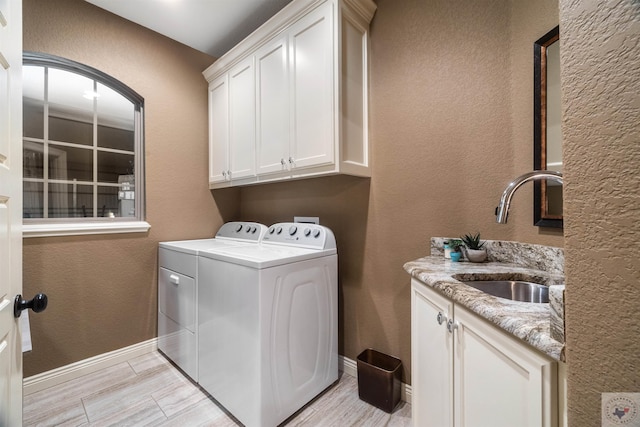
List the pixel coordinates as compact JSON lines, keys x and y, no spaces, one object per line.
{"x":242,"y":135}
{"x":218,"y":129}
{"x":272,"y":107}
{"x":313,"y":88}
{"x":432,"y":355}
{"x":499,"y":381}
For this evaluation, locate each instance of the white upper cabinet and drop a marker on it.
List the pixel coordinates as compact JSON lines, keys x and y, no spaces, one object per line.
{"x":242,"y":120}
{"x":272,"y":107}
{"x":219,"y":130}
{"x":311,"y":65}
{"x":296,"y":93}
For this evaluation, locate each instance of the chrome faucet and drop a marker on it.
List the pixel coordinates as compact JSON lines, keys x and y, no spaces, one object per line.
{"x":502,"y":211}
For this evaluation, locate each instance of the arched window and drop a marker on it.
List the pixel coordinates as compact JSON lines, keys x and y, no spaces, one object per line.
{"x":83,"y":145}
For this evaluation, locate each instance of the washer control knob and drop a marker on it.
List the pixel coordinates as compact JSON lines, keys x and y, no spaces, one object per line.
{"x":316,"y":233}
{"x":271,"y":230}
{"x":292,"y":230}
{"x":279,"y":230}
{"x":238,"y":228}
{"x":307,"y":232}
{"x":253,"y":230}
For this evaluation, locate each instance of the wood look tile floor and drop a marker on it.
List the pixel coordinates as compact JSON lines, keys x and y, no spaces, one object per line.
{"x":150,"y":391}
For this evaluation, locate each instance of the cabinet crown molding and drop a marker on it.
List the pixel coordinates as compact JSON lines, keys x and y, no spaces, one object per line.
{"x":291,"y":100}
{"x":365,"y":9}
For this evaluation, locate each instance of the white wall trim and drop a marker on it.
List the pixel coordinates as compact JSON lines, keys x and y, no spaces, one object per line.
{"x":75,"y":370}
{"x":350,"y":367}
{"x":87,"y":366}
{"x":83,"y":228}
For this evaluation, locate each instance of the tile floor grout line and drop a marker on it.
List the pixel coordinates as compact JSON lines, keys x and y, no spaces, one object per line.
{"x":338,"y":405}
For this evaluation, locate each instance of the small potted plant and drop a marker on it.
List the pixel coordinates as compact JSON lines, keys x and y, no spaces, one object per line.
{"x":475,"y":250}
{"x":455,"y":245}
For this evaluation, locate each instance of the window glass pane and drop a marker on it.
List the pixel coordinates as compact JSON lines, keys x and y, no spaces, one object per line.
{"x":113,"y":165}
{"x":71,"y":99}
{"x":68,"y":130}
{"x":33,"y":101}
{"x":33,"y":196}
{"x":70,"y":201}
{"x":119,"y":139}
{"x":116,"y":201}
{"x":79,"y":142}
{"x":115,"y":120}
{"x":33,"y":159}
{"x":70,"y":163}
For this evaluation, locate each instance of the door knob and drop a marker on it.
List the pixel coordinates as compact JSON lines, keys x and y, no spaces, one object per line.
{"x":37,"y":304}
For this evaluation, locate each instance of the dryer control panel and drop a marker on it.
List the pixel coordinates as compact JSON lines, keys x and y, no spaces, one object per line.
{"x":242,"y":230}
{"x":298,"y":234}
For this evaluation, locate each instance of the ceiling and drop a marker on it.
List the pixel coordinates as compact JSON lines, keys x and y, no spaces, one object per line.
{"x":210,"y":26}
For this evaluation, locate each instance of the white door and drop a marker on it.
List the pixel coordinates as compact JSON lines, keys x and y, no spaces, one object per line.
{"x":10,"y":209}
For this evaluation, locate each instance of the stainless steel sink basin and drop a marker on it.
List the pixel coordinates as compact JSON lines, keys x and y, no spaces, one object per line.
{"x":515,"y":290}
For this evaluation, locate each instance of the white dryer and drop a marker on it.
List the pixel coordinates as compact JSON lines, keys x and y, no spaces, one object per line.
{"x":268,"y":322}
{"x":178,"y":289}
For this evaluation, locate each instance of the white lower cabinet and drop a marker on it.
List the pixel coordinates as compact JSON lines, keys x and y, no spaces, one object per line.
{"x":468,"y":373}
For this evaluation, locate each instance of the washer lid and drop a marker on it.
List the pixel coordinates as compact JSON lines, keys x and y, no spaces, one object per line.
{"x":234,"y":233}
{"x":264,"y":255}
{"x":194,"y":247}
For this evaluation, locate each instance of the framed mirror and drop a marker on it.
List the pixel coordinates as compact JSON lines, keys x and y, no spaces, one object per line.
{"x":547,"y":135}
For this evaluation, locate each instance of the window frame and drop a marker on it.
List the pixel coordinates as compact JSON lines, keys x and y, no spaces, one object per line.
{"x":45,"y":227}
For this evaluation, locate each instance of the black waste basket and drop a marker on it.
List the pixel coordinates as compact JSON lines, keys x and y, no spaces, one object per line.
{"x":379,"y":379}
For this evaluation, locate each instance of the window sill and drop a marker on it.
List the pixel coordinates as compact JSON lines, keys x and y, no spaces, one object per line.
{"x":80,"y":229}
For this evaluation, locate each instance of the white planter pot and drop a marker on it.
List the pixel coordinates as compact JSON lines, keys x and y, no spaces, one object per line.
{"x":476,"y":255}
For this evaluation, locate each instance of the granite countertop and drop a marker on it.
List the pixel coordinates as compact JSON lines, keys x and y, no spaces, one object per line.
{"x":528,"y":321}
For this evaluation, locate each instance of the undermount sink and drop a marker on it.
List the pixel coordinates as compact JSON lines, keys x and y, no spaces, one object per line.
{"x":515,"y":290}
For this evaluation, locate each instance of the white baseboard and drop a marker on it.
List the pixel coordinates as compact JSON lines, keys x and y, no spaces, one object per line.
{"x":93,"y":364}
{"x":350,"y":367}
{"x":83,"y":367}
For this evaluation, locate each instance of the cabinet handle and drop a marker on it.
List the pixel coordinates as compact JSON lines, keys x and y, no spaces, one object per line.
{"x":282,"y":162}
{"x":224,"y":174}
{"x":291,"y":160}
{"x":441,"y":318}
{"x":229,"y":174}
{"x":451,"y":325}
{"x":174,"y":279}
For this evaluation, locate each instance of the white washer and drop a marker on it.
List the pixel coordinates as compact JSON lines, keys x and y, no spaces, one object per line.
{"x":268,"y":322}
{"x":178,"y":289}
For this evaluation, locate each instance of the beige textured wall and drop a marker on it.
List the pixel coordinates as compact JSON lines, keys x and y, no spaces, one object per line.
{"x":529,"y":21}
{"x":450,"y":123}
{"x":600,"y":56}
{"x":451,"y":91}
{"x":102,"y":289}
